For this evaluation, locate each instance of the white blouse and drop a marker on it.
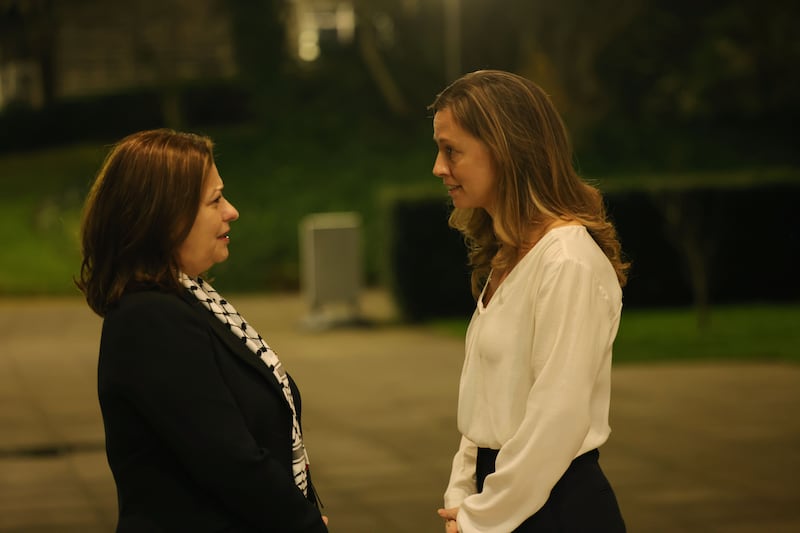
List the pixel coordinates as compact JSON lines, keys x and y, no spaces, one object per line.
{"x":536,"y":379}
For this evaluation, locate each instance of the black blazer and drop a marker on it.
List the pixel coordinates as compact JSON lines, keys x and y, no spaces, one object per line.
{"x":198,"y":431}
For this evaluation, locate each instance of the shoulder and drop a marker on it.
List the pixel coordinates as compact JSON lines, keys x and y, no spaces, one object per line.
{"x":151,"y":338}
{"x":574,"y":245}
{"x":567,"y":243}
{"x":152,"y":309}
{"x":570,"y":252}
{"x":150,"y":301}
{"x":153,"y":325}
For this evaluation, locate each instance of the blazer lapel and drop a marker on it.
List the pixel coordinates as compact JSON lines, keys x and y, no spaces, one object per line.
{"x":235,"y":344}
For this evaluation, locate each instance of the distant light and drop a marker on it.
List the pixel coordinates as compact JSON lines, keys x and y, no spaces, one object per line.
{"x":345,"y":18}
{"x":309,"y":52}
{"x":308,"y":44}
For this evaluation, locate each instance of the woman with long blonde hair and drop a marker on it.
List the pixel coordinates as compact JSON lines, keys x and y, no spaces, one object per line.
{"x":547,"y":274}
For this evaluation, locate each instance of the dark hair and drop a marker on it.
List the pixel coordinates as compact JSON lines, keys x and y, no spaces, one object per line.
{"x":532,"y":153}
{"x":140,"y":208}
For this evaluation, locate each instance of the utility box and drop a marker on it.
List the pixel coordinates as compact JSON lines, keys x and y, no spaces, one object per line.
{"x":331,"y":267}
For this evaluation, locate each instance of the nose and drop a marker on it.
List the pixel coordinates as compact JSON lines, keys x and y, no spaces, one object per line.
{"x":231,"y":213}
{"x":440,"y":168}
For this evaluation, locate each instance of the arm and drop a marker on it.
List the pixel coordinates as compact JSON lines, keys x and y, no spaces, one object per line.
{"x":573,"y":331}
{"x":158,"y":356}
{"x":462,"y":475}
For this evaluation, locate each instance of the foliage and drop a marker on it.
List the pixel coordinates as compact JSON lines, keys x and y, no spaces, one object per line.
{"x":648,"y":87}
{"x":690,"y":85}
{"x":425,"y":260}
{"x":260,"y":43}
{"x":106,"y":118}
{"x":643,"y":84}
{"x":684,"y":239}
{"x":687,"y":61}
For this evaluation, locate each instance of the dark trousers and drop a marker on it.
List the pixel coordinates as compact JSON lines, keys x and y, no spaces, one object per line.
{"x":582,"y":501}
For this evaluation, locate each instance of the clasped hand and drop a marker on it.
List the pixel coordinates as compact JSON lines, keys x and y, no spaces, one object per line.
{"x":449,"y":515}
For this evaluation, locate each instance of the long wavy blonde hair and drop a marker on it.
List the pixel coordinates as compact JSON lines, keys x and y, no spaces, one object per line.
{"x":536,"y":178}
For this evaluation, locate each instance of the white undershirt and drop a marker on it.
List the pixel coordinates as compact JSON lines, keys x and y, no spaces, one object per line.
{"x":536,"y":379}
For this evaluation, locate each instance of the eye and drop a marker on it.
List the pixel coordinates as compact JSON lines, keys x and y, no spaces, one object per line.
{"x":217,"y":199}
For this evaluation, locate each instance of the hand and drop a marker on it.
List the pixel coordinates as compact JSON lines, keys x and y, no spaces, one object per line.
{"x":325,"y":519}
{"x":449,"y":515}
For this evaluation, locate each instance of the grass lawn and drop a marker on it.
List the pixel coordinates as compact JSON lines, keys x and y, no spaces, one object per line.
{"x":274,"y":181}
{"x":39,"y":217}
{"x":764,"y":332}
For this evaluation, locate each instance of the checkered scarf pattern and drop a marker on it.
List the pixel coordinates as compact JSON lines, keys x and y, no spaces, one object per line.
{"x":228,"y":315}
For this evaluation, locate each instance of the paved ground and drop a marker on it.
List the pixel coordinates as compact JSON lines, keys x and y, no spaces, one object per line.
{"x":695,"y":448}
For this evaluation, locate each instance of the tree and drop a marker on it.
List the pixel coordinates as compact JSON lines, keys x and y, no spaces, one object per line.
{"x":692,"y":222}
{"x":370,"y":52}
{"x":686,"y":63}
{"x":259,"y":35}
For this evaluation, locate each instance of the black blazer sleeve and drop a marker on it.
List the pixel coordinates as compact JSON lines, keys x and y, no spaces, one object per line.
{"x":178,"y":405}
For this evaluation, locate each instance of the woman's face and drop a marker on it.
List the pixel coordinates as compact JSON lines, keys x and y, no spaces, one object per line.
{"x":464,"y":164}
{"x":207,"y":242}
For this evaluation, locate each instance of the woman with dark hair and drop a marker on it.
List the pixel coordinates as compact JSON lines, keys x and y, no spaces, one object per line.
{"x":202,"y":423}
{"x":547,"y":274}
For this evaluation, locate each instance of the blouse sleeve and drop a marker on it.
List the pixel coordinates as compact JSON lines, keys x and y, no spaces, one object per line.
{"x":164,"y":367}
{"x":572,"y":328}
{"x":462,"y":475}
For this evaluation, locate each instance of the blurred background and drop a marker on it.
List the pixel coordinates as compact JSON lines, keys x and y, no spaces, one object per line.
{"x":682,"y":112}
{"x":320,"y":105}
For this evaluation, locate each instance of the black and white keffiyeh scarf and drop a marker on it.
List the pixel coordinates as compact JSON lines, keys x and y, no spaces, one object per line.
{"x":228,"y":315}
